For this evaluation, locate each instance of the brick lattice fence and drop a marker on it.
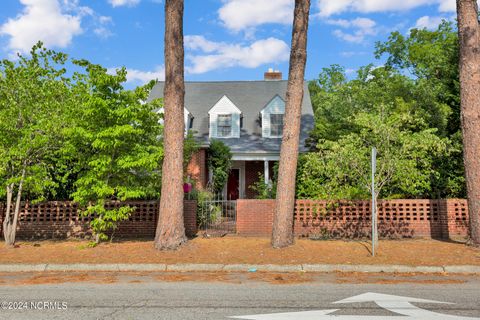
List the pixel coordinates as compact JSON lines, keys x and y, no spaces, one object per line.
{"x":352,"y":219}
{"x":440,"y":219}
{"x":60,"y":219}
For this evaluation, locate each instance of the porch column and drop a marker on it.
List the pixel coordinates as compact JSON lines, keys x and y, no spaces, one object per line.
{"x":267,"y":173}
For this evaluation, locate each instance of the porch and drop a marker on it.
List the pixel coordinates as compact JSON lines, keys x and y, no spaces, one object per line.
{"x":247,"y":171}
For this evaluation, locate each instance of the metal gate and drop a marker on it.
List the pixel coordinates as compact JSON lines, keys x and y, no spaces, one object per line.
{"x":217,"y":217}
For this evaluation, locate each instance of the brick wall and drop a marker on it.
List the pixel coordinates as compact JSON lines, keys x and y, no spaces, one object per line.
{"x":197,"y":169}
{"x":351,"y":219}
{"x":57,"y":220}
{"x":312,"y":218}
{"x":255,"y":217}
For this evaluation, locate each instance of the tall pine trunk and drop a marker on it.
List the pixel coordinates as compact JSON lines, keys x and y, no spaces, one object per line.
{"x":282,"y":235}
{"x":170,"y":232}
{"x":469,"y":37}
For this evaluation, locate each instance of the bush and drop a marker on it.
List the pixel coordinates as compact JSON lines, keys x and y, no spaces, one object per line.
{"x":207,"y":211}
{"x":219,"y":163}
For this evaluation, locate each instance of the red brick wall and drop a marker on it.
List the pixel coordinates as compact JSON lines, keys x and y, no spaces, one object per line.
{"x":254,"y":217}
{"x":317,"y":219}
{"x":56,"y":220}
{"x":197,"y":169}
{"x":351,"y":219}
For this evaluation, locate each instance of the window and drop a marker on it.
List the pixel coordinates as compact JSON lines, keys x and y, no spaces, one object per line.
{"x":224,"y":125}
{"x":276,"y":125}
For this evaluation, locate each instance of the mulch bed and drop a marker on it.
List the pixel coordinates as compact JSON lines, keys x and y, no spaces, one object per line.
{"x":233,"y":250}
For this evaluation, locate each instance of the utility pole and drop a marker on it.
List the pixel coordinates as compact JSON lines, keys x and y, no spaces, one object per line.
{"x":374,"y":203}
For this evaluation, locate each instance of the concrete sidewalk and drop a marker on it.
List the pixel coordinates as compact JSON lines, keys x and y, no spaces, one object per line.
{"x":455,"y":269}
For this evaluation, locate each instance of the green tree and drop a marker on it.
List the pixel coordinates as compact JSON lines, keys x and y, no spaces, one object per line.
{"x":116,"y":141}
{"x":431,"y":58}
{"x":383,"y":108}
{"x":341,"y":169}
{"x":219,"y":162}
{"x":420,"y":74}
{"x":34,"y":93}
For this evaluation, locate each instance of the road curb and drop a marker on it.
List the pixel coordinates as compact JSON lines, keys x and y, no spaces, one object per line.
{"x":372,"y":268}
{"x":194,"y":267}
{"x":462,"y":269}
{"x":262,"y":268}
{"x":457,"y":269}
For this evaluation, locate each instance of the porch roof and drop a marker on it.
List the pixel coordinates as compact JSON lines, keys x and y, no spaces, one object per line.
{"x":256,"y":156}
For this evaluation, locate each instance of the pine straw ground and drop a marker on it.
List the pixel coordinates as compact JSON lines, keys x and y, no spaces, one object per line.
{"x":234,"y":250}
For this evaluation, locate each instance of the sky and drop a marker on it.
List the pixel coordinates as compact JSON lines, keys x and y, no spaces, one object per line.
{"x":224,"y":39}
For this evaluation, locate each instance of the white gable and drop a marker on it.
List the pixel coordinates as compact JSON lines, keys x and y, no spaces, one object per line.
{"x":275,"y":106}
{"x":224,"y":106}
{"x":186,"y":117}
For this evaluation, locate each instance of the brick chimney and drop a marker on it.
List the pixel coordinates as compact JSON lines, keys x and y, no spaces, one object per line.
{"x":272,"y":75}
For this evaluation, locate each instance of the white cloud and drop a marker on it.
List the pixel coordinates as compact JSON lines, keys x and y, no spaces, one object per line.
{"x":331,"y":7}
{"x":42,"y":20}
{"x":350,"y":71}
{"x":120,"y":3}
{"x":202,"y":44}
{"x":363,"y":27}
{"x":447,"y":6}
{"x":428,"y":22}
{"x":101,"y":28}
{"x":218,"y":55}
{"x":361,"y":23}
{"x":238,"y":15}
{"x":142,"y":77}
{"x":349,"y":54}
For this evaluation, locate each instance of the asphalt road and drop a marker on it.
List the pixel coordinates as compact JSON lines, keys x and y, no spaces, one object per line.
{"x":149,"y":297}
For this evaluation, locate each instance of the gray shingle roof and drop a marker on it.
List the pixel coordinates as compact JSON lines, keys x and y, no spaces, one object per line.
{"x":250,"y":97}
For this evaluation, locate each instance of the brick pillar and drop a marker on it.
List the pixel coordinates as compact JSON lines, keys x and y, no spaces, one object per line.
{"x":190,"y":217}
{"x":457,"y":217}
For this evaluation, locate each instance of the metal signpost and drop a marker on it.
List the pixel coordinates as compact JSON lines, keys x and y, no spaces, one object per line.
{"x":374,"y":202}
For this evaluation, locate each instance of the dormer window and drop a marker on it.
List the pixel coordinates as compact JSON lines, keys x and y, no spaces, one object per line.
{"x":276,"y":124}
{"x":224,"y":125}
{"x":224,"y":119}
{"x":272,"y":118}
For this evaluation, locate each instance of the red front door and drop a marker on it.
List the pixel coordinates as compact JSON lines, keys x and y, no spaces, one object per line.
{"x":233,"y":185}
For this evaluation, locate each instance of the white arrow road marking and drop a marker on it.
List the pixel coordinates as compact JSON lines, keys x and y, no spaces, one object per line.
{"x":304,"y":315}
{"x":396,"y":304}
{"x":401,"y":305}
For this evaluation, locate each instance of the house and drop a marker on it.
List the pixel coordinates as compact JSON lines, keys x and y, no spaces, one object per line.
{"x":248,"y":117}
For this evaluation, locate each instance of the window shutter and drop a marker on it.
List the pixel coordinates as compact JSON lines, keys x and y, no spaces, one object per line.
{"x":236,"y":125}
{"x":266,"y":125}
{"x":213,"y":126}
